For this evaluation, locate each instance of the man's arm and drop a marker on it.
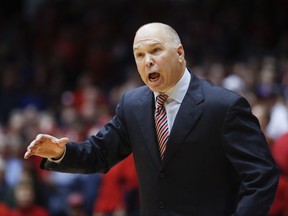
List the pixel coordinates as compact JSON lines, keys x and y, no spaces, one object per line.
{"x":97,"y":154}
{"x":246,"y":148}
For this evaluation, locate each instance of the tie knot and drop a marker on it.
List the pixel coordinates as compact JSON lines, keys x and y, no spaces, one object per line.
{"x":161,"y":98}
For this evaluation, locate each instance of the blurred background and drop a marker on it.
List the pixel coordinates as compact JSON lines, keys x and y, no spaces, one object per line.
{"x":64,"y":64}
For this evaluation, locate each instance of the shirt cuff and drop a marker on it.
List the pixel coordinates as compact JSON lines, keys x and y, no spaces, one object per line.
{"x":57,"y":160}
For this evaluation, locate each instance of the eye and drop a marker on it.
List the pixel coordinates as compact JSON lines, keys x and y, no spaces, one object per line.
{"x":155,"y":50}
{"x":139,"y":55}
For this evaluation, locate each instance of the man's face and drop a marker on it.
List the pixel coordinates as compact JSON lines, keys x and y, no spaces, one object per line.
{"x":159,"y":62}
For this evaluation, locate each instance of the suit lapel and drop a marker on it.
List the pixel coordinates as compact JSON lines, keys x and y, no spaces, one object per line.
{"x":146,"y":122}
{"x":187,"y":116}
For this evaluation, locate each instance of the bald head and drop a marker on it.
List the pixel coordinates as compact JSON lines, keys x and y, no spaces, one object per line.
{"x":169,"y":34}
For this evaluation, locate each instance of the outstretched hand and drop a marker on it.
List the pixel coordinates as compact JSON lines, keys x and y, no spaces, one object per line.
{"x":46,"y":146}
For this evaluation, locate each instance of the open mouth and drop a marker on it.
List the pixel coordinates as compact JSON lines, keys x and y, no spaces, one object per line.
{"x":153,"y":77}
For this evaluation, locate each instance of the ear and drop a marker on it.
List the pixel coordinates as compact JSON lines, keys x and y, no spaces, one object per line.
{"x":180,"y":52}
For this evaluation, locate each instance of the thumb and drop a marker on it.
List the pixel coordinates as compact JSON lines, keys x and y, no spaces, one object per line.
{"x":63,"y":141}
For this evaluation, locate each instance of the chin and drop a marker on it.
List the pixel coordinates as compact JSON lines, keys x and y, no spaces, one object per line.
{"x":156,"y":88}
{"x":153,"y":89}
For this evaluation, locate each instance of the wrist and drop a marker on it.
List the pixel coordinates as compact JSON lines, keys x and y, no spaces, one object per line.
{"x":59,"y":158}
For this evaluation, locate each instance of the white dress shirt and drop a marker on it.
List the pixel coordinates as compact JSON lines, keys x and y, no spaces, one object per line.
{"x":176,"y":95}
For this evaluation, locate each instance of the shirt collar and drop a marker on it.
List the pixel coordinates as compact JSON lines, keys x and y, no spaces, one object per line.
{"x":178,"y":92}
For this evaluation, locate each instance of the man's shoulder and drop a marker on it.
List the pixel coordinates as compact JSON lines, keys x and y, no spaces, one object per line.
{"x":218,"y":95}
{"x":138,"y":92}
{"x":136,"y":97}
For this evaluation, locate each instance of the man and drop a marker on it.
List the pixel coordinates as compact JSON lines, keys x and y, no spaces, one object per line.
{"x":211,"y":158}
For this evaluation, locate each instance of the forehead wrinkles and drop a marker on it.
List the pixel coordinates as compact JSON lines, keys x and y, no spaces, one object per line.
{"x":150,"y":36}
{"x":146,"y":42}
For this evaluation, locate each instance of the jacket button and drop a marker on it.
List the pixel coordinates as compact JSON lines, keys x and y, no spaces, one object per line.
{"x":161,"y":205}
{"x":162,"y":175}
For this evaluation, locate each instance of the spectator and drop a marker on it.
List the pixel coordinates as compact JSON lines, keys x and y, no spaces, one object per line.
{"x":25,"y":201}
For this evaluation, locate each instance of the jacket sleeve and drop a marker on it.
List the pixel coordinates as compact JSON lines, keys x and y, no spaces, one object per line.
{"x":99,"y":152}
{"x":247,"y":150}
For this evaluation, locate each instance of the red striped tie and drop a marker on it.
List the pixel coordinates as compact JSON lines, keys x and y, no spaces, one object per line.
{"x":161,"y":123}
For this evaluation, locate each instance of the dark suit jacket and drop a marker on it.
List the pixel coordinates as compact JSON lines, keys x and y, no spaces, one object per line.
{"x":217,"y":161}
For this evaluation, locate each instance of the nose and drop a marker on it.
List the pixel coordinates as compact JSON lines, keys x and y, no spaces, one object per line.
{"x":148,"y":60}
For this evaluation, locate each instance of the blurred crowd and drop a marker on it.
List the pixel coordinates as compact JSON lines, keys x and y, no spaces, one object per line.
{"x":65,"y":64}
